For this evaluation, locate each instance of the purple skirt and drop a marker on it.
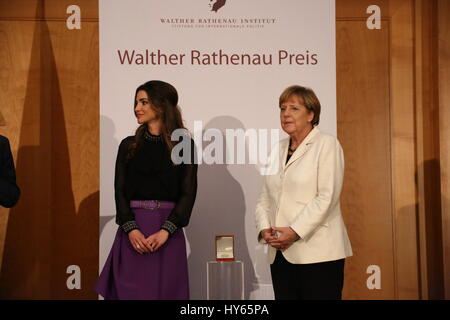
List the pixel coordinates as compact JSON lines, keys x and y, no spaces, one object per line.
{"x":161,"y":275}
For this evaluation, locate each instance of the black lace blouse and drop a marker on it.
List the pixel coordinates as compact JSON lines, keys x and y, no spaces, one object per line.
{"x":150,"y":175}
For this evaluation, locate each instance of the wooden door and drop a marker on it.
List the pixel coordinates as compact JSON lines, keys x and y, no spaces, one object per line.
{"x":387,"y":126}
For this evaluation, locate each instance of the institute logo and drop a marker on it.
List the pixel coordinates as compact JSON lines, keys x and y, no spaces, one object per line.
{"x":215,"y":5}
{"x":211,"y":21}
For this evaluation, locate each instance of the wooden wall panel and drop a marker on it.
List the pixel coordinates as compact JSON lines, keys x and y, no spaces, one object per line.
{"x":26,"y":256}
{"x":366,"y":63}
{"x":444,"y":130}
{"x":55,"y":223}
{"x":403,"y":149}
{"x":16,"y":40}
{"x":51,"y":9}
{"x":356,"y":9}
{"x":427,"y":150}
{"x":363,"y":117}
{"x":76,"y":214}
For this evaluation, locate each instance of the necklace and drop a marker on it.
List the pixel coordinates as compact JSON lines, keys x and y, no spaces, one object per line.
{"x":151,"y":137}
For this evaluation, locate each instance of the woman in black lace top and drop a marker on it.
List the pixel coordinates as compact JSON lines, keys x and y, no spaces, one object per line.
{"x":154,"y":196}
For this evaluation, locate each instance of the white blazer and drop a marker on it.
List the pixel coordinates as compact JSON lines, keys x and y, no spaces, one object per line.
{"x":304,"y":195}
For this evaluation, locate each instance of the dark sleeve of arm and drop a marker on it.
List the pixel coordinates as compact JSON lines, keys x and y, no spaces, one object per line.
{"x":124,"y":215}
{"x":9,"y":191}
{"x":181,"y":214}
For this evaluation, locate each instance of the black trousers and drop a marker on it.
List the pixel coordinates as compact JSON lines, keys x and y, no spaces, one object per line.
{"x":315,"y":281}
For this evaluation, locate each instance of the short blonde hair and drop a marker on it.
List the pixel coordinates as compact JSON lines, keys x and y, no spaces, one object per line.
{"x":306,"y":96}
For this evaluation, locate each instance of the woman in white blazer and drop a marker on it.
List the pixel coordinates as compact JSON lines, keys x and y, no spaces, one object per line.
{"x":298,"y":213}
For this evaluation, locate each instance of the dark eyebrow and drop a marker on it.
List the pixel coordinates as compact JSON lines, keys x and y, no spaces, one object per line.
{"x":142,"y":99}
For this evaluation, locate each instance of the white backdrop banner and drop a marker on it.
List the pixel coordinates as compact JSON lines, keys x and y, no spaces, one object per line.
{"x":229,"y":60}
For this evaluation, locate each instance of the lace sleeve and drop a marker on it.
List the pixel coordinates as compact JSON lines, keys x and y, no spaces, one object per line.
{"x":181,"y":214}
{"x":124,"y":215}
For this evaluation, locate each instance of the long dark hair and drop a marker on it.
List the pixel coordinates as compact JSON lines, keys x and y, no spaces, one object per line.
{"x":163,"y":99}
